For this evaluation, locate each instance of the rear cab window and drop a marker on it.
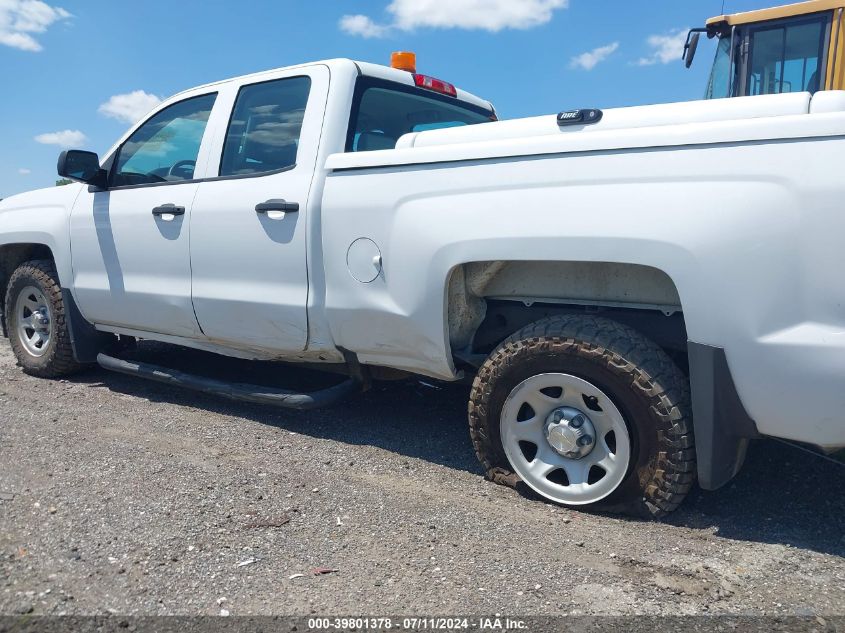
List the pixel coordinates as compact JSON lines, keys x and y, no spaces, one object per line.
{"x":382,"y":111}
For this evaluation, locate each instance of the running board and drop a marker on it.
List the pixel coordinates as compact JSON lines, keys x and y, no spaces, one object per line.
{"x":233,"y":390}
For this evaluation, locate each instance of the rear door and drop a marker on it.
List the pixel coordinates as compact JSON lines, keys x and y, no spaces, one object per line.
{"x":248,"y":224}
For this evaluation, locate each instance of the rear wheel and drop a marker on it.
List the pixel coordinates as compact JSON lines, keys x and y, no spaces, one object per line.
{"x":37,"y":328}
{"x":586,"y":412}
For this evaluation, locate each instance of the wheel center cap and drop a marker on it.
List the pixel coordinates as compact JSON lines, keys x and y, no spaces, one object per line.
{"x":570,"y":432}
{"x":41,"y":320}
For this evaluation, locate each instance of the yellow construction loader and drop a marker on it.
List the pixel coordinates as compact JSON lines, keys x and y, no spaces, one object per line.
{"x":793,"y":48}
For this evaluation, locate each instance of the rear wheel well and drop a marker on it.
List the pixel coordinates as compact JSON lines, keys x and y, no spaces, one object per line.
{"x":490,"y":300}
{"x":503,"y":318}
{"x":12,"y":256}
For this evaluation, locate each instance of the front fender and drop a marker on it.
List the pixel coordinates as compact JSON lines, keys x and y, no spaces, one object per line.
{"x":42,"y":217}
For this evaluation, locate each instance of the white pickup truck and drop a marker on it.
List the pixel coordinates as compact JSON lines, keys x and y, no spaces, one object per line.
{"x":638,"y":292}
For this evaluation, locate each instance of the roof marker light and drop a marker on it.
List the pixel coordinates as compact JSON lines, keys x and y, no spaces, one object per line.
{"x":403,"y":60}
{"x":430,"y":83}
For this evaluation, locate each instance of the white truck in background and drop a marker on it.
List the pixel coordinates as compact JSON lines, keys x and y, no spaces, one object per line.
{"x":638,"y":291}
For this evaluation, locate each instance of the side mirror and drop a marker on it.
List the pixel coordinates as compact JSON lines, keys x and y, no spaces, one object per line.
{"x":81,"y":166}
{"x":691,"y":46}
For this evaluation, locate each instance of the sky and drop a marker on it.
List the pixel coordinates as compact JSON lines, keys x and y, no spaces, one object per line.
{"x":79,"y":73}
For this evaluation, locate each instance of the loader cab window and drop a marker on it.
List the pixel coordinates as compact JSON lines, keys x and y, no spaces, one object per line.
{"x":787,"y":56}
{"x":382,"y":111}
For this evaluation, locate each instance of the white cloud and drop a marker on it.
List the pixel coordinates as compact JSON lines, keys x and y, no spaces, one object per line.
{"x":65,"y":138}
{"x":129,"y":107}
{"x":23,"y":171}
{"x":590,"y":59}
{"x":665,"y":48}
{"x":486,"y":15}
{"x":20,"y":19}
{"x":362,"y":25}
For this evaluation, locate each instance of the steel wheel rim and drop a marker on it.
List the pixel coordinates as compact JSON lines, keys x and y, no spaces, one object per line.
{"x":611,"y":451}
{"x":34,"y":321}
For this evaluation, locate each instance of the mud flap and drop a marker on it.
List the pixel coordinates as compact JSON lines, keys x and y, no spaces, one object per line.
{"x":721,"y":424}
{"x":85,"y":340}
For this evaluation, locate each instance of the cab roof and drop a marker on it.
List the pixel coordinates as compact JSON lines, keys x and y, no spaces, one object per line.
{"x":776,"y":13}
{"x":363,"y":68}
{"x":401,"y":76}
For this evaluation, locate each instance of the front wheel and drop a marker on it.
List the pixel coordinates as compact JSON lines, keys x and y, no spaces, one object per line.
{"x":36,"y":316}
{"x":586,"y":412}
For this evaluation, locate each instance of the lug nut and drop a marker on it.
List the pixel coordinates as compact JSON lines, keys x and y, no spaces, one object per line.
{"x":577,"y":422}
{"x":585,"y":440}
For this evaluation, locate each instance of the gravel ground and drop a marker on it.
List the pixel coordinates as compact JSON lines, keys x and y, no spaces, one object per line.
{"x":124,"y":496}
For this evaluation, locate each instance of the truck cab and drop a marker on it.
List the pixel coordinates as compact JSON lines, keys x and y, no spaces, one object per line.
{"x":233,"y":172}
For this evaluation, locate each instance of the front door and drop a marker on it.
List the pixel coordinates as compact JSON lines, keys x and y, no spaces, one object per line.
{"x":130,"y":243}
{"x":248,"y":225}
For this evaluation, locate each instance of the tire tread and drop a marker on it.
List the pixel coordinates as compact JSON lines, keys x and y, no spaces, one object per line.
{"x":61,"y":361}
{"x":632,"y":357}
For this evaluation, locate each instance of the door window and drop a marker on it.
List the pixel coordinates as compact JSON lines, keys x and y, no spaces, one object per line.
{"x":165,"y":148}
{"x":263,"y":134}
{"x":787,"y":57}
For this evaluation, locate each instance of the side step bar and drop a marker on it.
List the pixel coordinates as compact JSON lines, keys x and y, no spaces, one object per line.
{"x":232,"y":390}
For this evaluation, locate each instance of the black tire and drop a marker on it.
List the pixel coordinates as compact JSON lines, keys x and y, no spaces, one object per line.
{"x":57,"y":359}
{"x":646,"y":386}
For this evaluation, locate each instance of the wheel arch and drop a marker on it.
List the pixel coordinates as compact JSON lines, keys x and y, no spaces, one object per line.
{"x":473,"y":287}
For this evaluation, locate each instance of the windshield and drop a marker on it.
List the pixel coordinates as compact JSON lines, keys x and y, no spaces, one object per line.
{"x":719,"y":86}
{"x":383,"y":111}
